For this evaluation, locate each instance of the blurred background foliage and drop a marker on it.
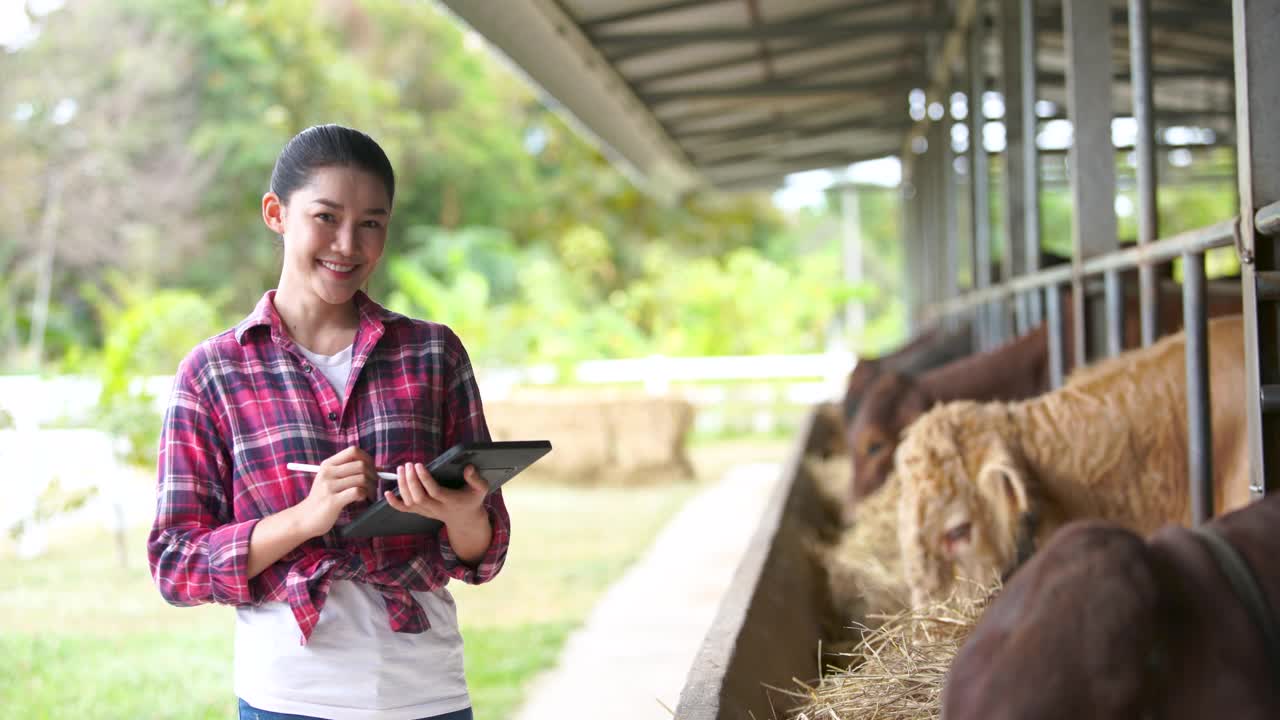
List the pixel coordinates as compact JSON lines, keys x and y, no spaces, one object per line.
{"x":139,"y":136}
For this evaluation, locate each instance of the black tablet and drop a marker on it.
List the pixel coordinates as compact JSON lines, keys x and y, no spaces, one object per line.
{"x":497,"y":462}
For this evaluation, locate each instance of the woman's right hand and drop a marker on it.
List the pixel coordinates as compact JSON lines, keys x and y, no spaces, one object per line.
{"x":343,"y":479}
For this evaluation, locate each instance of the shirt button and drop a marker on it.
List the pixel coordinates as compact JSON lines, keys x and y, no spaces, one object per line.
{"x":306,"y":367}
{"x":333,"y":415}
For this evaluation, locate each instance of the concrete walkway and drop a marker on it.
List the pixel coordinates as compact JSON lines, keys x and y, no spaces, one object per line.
{"x":629,"y":661}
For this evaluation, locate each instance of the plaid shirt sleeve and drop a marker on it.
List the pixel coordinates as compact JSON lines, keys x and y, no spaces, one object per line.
{"x":197,"y":552}
{"x":464,"y":421}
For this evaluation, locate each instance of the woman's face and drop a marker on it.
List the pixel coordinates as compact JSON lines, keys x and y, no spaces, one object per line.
{"x":334,"y":229}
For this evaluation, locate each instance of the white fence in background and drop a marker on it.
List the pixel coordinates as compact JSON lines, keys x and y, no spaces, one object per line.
{"x":52,"y":437}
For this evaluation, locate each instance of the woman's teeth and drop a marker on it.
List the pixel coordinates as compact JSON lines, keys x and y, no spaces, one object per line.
{"x":338,"y":268}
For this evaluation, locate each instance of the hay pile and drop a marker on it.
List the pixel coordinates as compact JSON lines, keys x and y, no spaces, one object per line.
{"x":898,"y":670}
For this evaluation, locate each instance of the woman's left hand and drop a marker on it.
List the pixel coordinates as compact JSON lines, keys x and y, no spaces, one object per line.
{"x":422,"y":495}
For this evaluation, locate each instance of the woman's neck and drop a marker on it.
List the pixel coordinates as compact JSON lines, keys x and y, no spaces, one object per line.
{"x":316,"y":325}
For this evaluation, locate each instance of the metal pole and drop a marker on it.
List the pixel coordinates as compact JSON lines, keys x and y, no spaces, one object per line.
{"x":1014,"y":158}
{"x":1199,"y":421}
{"x":1256,"y":25}
{"x":1057,"y":356}
{"x":854,"y":312}
{"x":1144,"y":149}
{"x":979,"y":181}
{"x":1115,"y":313}
{"x":1030,"y":154}
{"x":1087,"y":32}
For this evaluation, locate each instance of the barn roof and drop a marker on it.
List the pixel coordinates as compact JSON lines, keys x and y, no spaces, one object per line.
{"x":736,"y":94}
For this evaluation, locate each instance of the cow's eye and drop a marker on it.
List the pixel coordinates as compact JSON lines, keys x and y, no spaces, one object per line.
{"x":874,"y":448}
{"x":957,"y":534}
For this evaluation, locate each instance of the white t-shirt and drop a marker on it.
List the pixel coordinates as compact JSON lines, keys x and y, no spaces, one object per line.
{"x":354,"y":666}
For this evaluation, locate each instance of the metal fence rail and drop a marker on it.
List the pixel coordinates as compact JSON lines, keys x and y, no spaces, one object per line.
{"x":1190,"y":246}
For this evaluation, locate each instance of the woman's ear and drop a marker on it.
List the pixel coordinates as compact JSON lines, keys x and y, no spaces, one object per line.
{"x":273,"y":212}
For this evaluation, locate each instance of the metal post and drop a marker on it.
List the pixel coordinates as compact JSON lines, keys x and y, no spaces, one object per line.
{"x":1115,"y":313}
{"x":979,"y":181}
{"x":1256,"y":25}
{"x":1199,"y":422}
{"x":951,"y":223}
{"x":854,"y":311}
{"x":1031,"y":155}
{"x":909,"y":233}
{"x":1144,"y":149}
{"x":1057,"y":356}
{"x":1015,"y":158}
{"x":1087,"y":31}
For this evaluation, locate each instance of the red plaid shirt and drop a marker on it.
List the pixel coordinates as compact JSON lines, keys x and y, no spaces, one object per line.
{"x":247,"y":402}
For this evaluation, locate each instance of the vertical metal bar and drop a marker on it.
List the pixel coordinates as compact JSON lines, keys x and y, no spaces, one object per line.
{"x":1031,"y":155}
{"x":909,"y":233}
{"x":1256,"y":25}
{"x":1115,"y":313}
{"x":851,"y":246}
{"x":951,"y":209}
{"x":939,"y":148}
{"x":1199,"y":422}
{"x":1144,"y":148}
{"x":1015,"y":255}
{"x":1057,"y":356}
{"x":1087,"y":31}
{"x":979,"y":177}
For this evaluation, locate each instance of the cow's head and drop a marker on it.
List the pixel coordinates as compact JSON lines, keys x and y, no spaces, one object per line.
{"x":864,"y":373}
{"x":966,"y":500}
{"x":890,"y":404}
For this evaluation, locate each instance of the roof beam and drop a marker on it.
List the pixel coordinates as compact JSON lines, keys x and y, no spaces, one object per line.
{"x":785,"y":89}
{"x":624,"y":46}
{"x":647,"y":12}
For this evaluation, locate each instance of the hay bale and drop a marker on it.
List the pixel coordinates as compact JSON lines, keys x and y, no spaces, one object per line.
{"x":599,"y":438}
{"x":864,"y":567}
{"x":898,"y":670}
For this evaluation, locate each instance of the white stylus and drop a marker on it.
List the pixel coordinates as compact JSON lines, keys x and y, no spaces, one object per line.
{"x":303,"y":467}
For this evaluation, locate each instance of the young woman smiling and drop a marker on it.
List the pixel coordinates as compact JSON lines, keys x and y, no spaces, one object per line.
{"x":359,"y":629}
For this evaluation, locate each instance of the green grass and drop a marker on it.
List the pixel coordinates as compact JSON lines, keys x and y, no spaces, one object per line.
{"x":82,"y":637}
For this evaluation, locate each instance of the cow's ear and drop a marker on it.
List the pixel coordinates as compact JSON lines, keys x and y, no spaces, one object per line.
{"x":1004,"y":487}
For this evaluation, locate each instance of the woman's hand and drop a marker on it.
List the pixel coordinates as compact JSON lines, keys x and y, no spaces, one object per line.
{"x":344,"y":478}
{"x":422,"y":495}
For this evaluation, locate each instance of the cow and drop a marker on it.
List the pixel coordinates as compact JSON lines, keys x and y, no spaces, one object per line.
{"x":1019,"y":369}
{"x":982,"y":482}
{"x":1106,"y":625}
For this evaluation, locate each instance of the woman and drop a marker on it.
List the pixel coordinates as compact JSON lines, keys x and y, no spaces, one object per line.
{"x":319,"y":373}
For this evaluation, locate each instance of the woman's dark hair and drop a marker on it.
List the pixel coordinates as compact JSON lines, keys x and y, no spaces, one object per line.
{"x":328,"y":146}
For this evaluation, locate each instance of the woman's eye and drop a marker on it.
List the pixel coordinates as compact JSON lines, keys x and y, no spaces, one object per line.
{"x":325,"y":217}
{"x":371,"y":224}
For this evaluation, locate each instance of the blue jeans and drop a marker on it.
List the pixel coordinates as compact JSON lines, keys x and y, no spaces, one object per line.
{"x":248,"y":712}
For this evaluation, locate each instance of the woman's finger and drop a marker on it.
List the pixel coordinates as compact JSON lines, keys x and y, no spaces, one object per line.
{"x":473,"y":478}
{"x":430,"y":487}
{"x":410,"y":489}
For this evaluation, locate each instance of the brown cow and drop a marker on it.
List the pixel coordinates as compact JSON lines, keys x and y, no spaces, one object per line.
{"x":928,"y":350}
{"x":1016,"y":370}
{"x":1102,"y":625}
{"x":979,"y":481}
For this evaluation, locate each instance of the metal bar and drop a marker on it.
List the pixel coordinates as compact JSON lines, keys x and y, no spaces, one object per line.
{"x":1199,"y":421}
{"x":1115,"y":313}
{"x":1015,"y":186}
{"x":1267,"y":220}
{"x":1256,"y":25}
{"x":979,"y":180}
{"x":650,"y":11}
{"x":1031,"y":159}
{"x":951,"y":221}
{"x":1144,"y":117}
{"x":1199,"y":240}
{"x":1267,"y":285}
{"x":891,"y":81}
{"x":1057,"y":351}
{"x":626,"y":46}
{"x":1087,"y":36}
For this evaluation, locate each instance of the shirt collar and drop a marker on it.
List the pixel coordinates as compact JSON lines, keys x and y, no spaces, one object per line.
{"x":372,"y":317}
